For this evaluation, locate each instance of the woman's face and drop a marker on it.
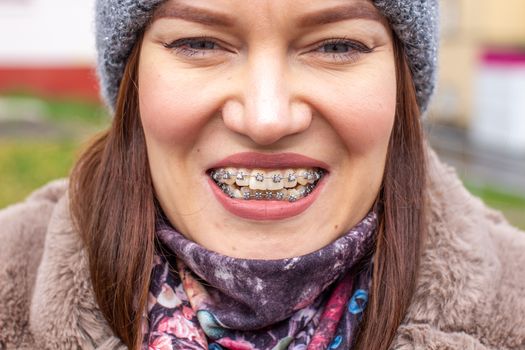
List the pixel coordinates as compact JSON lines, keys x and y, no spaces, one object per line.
{"x":287,"y":106}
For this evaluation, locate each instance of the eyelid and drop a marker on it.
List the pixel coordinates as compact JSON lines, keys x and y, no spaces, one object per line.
{"x":354,"y":44}
{"x":178,"y":46}
{"x":356,"y":50}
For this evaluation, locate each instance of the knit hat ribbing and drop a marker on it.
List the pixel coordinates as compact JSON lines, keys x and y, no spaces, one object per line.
{"x":416,"y":23}
{"x":118,"y":23}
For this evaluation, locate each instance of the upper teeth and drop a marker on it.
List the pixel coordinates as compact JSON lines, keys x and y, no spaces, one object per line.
{"x":259,"y":179}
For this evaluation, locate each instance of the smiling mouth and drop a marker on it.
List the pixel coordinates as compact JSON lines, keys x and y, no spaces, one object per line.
{"x":266,"y":184}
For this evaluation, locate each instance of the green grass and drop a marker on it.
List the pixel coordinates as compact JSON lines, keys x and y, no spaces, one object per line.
{"x":27,"y":160}
{"x":27,"y":165}
{"x":75,"y":110}
{"x":512,"y":206}
{"x":492,"y":196}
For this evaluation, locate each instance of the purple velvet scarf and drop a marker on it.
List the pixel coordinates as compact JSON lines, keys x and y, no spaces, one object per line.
{"x":203,"y":300}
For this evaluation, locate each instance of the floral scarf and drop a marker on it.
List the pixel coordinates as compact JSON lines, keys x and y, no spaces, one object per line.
{"x":203,"y":300}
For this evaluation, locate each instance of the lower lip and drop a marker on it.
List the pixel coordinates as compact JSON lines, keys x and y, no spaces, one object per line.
{"x":264,"y":209}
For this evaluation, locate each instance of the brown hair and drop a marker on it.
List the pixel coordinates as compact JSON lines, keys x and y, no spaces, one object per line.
{"x":402,"y":226}
{"x":114,"y":208}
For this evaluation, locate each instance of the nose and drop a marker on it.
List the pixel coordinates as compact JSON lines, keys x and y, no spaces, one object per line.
{"x":267,"y":109}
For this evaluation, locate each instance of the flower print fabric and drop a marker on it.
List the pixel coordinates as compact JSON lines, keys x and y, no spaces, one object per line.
{"x":203,"y":300}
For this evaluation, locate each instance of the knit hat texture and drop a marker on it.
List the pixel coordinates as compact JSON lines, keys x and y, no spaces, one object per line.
{"x":119,"y":22}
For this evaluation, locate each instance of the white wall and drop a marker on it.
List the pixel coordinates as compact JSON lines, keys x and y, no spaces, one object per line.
{"x":498,"y":121}
{"x":46,"y":32}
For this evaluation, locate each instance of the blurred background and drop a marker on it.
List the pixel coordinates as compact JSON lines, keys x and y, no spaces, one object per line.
{"x":49,"y":105}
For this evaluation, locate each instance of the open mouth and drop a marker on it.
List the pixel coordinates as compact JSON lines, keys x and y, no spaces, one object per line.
{"x":289,"y":185}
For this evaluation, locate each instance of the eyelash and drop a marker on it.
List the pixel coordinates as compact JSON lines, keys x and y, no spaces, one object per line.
{"x":354,"y":48}
{"x":182,"y":46}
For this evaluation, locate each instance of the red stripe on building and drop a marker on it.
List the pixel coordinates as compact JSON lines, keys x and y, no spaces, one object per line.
{"x":75,"y":82}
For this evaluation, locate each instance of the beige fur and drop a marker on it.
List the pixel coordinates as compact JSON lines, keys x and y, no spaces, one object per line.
{"x":470,"y":295}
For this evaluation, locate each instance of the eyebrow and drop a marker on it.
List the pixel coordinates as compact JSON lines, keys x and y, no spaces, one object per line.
{"x":341,"y":13}
{"x":212,"y":18}
{"x":194,"y":14}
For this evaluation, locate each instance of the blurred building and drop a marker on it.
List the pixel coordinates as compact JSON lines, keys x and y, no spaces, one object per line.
{"x":482,"y":72}
{"x":47,"y":48}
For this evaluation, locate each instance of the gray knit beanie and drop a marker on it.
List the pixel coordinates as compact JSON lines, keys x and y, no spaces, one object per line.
{"x":118,"y":23}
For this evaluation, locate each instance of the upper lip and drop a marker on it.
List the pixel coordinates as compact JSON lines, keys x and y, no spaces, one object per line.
{"x":253,"y":160}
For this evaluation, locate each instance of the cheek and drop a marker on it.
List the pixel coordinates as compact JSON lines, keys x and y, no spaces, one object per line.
{"x":362,"y":112}
{"x":173,"y":109}
{"x":371,"y":128}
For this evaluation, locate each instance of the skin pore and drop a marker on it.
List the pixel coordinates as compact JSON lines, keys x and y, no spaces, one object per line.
{"x":311,"y":77}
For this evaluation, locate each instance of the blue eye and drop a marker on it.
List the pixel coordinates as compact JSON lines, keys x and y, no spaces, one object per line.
{"x":343,"y":46}
{"x":201,"y":45}
{"x":341,"y":50}
{"x":193,"y":46}
{"x":335,"y":48}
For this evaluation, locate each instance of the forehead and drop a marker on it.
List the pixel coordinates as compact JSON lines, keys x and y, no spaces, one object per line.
{"x":302,"y":13}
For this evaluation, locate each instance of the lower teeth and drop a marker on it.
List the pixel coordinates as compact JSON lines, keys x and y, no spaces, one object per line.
{"x":289,"y":194}
{"x":269,"y":195}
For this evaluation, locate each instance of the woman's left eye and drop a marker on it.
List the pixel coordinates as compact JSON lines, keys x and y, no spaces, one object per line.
{"x":193,"y":46}
{"x":341,"y":49}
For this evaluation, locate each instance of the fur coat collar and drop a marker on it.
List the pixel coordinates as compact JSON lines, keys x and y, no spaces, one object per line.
{"x":470,"y":294}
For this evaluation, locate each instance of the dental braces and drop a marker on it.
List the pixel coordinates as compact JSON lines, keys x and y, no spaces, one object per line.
{"x":223,"y":174}
{"x":260,"y":195}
